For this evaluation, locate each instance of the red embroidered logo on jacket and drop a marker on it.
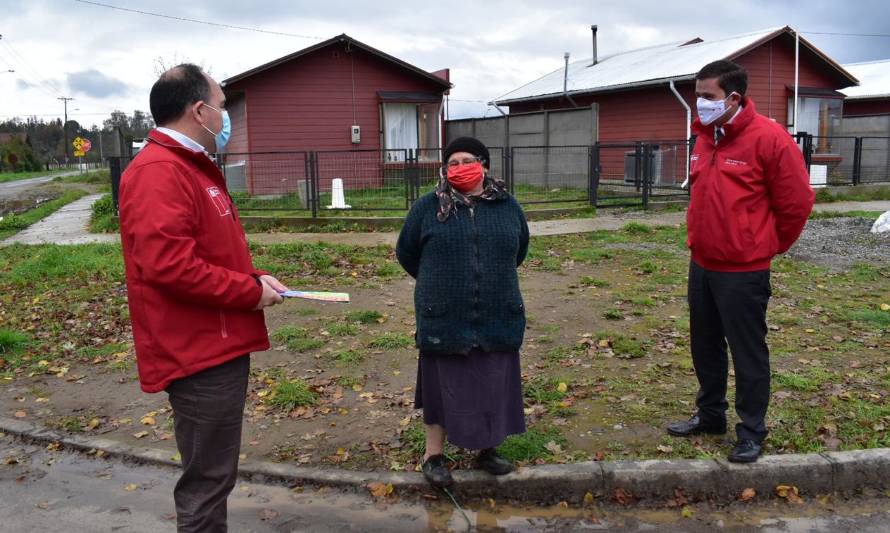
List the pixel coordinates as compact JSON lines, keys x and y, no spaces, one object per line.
{"x":219,"y":201}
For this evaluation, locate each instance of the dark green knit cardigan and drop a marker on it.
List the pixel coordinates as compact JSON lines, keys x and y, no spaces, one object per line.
{"x":467,"y":293}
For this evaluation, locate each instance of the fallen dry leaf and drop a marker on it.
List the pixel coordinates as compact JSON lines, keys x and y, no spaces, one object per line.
{"x":149,"y":421}
{"x":43,"y":505}
{"x":141,"y":434}
{"x":94,"y":423}
{"x":664,"y":448}
{"x":789,"y":493}
{"x":747,"y":495}
{"x":380,"y":490}
{"x":130,"y":487}
{"x":553,"y":448}
{"x":21,"y":414}
{"x":622,"y":496}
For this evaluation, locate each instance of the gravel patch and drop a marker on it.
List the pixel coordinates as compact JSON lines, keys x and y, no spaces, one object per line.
{"x":840,"y":243}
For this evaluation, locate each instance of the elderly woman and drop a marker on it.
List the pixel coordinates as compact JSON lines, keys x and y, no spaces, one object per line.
{"x":462,"y":243}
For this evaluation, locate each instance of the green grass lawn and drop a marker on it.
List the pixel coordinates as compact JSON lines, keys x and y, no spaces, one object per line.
{"x":863,"y":195}
{"x":605,"y":362}
{"x":94,"y":177}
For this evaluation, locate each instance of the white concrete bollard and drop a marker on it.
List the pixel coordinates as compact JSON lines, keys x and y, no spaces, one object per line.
{"x":338,"y":199}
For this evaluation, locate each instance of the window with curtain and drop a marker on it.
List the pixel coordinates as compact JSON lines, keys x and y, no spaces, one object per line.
{"x":399,"y":129}
{"x":820,"y":117}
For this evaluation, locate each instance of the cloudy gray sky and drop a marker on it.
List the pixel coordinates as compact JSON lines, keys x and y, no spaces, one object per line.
{"x":106,"y":59}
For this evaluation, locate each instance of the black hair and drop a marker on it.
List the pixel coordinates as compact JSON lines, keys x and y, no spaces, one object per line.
{"x":731,"y":77}
{"x":175,"y":90}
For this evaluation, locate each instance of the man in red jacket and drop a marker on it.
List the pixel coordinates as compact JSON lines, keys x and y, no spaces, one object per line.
{"x":750,"y":200}
{"x":195,"y":298}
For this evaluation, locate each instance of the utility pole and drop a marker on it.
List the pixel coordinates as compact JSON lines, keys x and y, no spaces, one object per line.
{"x":65,"y":124}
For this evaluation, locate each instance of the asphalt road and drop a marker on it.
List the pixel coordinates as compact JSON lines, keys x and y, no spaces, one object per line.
{"x":57,"y":491}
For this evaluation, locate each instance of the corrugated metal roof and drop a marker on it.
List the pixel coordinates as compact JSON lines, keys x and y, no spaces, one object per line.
{"x":645,"y":66}
{"x":874,"y":79}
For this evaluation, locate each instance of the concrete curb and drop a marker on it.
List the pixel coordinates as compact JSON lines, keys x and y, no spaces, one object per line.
{"x":844,"y":472}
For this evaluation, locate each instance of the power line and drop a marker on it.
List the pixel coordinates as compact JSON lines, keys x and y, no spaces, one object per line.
{"x":49,"y":82}
{"x":74,"y":114}
{"x":51,"y":89}
{"x":196,"y":21}
{"x":846,"y":34}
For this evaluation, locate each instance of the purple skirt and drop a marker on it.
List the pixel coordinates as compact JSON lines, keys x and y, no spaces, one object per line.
{"x":477,"y":397}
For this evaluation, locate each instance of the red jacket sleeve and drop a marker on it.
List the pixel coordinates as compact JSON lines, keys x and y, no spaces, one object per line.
{"x":791,"y":197}
{"x":158,"y":218}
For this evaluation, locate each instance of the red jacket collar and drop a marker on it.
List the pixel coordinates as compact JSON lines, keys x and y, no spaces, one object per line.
{"x":201,"y":159}
{"x":169,"y":142}
{"x":741,"y":121}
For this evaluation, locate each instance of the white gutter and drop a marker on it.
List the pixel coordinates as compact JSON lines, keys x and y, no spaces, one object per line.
{"x":688,"y":128}
{"x":796,"y":74}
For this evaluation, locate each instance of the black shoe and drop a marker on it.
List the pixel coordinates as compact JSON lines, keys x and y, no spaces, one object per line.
{"x":694,"y":426}
{"x":745,"y":451}
{"x":435,"y":470}
{"x":494,"y":464}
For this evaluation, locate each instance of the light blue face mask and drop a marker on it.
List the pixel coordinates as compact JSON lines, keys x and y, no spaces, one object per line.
{"x":221,"y":138}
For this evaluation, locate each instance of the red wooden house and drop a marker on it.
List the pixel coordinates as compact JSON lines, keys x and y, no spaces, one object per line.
{"x":872,"y":97}
{"x":649,"y":94}
{"x":360,"y":108}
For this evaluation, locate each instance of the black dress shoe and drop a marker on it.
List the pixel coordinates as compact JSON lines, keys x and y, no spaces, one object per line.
{"x":745,"y":451}
{"x":494,"y":464}
{"x":694,"y":426}
{"x":435,"y":470}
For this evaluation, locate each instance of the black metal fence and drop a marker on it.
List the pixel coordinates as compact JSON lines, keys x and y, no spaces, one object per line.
{"x":600,"y":175}
{"x":846,"y":160}
{"x":309,"y":182}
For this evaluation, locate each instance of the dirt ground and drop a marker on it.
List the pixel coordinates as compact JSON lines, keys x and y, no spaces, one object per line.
{"x":605,"y":361}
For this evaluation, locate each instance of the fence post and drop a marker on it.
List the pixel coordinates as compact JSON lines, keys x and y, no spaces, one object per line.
{"x":594,"y":174}
{"x":647,"y":171}
{"x":114,"y":165}
{"x":638,"y":154}
{"x":313,"y":183}
{"x":511,"y":179}
{"x":411,"y":172}
{"x":857,"y":161}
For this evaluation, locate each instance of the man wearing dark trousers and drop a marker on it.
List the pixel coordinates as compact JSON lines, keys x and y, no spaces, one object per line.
{"x":750,"y":199}
{"x":195,"y":298}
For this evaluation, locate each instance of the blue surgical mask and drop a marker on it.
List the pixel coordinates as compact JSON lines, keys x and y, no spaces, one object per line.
{"x":222,"y":138}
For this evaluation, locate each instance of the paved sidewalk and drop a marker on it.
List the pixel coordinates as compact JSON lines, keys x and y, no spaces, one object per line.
{"x":68,"y":225}
{"x":537,"y":228}
{"x":840,"y":207}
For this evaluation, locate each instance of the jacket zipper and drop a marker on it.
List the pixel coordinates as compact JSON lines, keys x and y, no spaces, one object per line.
{"x":222,"y":322}
{"x":476,"y":273}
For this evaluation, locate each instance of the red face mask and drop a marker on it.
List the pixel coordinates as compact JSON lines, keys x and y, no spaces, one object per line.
{"x":465,"y":178}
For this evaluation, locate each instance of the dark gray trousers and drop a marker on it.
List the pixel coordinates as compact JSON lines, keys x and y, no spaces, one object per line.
{"x":730,"y":307}
{"x":208,"y":408}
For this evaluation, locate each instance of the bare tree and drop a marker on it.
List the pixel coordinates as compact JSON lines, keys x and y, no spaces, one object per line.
{"x":162,"y":65}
